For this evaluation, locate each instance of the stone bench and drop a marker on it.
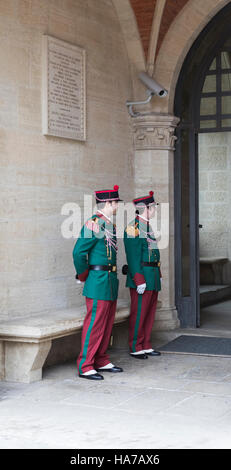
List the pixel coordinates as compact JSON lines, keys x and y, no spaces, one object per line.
{"x":26,"y":341}
{"x":211,"y":270}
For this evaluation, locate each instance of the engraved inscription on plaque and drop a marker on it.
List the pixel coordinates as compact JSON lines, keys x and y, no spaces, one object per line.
{"x":64,"y":89}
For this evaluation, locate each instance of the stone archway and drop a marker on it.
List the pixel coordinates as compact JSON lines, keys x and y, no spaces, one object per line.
{"x":178,"y":40}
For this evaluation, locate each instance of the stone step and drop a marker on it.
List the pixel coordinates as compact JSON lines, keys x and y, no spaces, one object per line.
{"x":211,"y":270}
{"x":212,"y":294}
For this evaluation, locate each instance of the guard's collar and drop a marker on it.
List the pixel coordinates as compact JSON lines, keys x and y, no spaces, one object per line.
{"x":143,"y":219}
{"x":103,"y":216}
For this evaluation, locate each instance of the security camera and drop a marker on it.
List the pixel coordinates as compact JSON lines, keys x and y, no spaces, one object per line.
{"x":154,"y":87}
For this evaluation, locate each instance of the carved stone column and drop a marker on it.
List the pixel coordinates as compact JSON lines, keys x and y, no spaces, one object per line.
{"x":154,"y":141}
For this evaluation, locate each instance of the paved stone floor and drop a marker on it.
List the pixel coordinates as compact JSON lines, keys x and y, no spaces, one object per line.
{"x":217,"y":317}
{"x":173,"y":401}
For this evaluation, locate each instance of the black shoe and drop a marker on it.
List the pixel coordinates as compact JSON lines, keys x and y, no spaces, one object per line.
{"x":153,"y":353}
{"x":91,"y":376}
{"x":112,"y":369}
{"x":139,"y":356}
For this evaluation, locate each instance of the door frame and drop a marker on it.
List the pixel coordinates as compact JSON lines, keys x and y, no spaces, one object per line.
{"x":188,"y":307}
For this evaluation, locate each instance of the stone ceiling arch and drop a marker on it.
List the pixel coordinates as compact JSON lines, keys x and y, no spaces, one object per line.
{"x":130,"y":32}
{"x":178,"y":40}
{"x":133,"y":43}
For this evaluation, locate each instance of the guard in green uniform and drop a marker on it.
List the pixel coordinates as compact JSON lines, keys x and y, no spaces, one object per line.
{"x":94,"y":258}
{"x":143,"y":277}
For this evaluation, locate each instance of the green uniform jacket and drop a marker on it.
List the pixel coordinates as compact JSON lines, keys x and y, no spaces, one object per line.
{"x":92,"y":248}
{"x":141,"y":246}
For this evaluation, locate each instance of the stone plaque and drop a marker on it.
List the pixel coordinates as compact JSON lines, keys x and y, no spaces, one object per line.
{"x":64,"y":89}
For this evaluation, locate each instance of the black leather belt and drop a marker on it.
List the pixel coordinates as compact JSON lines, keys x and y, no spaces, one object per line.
{"x":155,"y":264}
{"x":99,"y":267}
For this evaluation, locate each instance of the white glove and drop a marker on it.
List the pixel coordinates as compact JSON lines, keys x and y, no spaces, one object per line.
{"x":141,"y":288}
{"x":79,"y":282}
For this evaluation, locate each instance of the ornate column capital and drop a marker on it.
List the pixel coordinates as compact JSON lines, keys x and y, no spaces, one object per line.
{"x":155,"y":131}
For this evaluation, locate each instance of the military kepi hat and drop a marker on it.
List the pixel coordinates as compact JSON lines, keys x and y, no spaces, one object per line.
{"x":108,"y":195}
{"x":145,"y":200}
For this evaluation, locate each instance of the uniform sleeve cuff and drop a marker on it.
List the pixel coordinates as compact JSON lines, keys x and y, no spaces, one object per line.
{"x":139,"y":279}
{"x":82,"y":277}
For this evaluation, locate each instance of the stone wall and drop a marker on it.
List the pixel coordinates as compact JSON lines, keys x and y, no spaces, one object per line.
{"x":39,"y":174}
{"x":215,"y":196}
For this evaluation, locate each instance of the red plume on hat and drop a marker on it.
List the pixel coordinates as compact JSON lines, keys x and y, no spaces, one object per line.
{"x":116,"y":187}
{"x":151,"y":193}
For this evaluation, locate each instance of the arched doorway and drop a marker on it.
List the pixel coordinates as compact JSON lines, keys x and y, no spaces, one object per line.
{"x":203,"y":103}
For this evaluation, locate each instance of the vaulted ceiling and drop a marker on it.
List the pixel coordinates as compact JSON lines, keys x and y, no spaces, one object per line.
{"x":145,"y":11}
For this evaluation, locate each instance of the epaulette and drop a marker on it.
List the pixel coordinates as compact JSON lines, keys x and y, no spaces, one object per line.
{"x":132,"y":230}
{"x":92,"y":224}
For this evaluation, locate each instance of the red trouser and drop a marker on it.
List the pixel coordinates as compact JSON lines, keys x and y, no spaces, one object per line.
{"x":142,"y":315}
{"x":97,"y":328}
